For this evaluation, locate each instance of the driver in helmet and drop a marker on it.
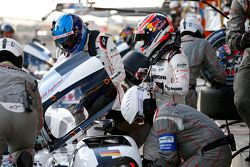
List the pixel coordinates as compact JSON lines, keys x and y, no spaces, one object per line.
{"x":126,"y":34}
{"x":71,"y":35}
{"x":201,"y":56}
{"x":169,"y":70}
{"x":20,"y":105}
{"x":180,"y":135}
{"x":7,"y":31}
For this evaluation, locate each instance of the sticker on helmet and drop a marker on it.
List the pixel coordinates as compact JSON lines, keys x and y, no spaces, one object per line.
{"x":167,"y":142}
{"x":104,"y":41}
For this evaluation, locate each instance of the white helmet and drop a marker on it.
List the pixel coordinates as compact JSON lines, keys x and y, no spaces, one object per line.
{"x":16,"y":50}
{"x":174,"y":4}
{"x":132,"y":103}
{"x":191,"y":24}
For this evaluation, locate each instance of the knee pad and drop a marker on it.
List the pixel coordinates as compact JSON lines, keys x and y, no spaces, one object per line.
{"x":25,"y":159}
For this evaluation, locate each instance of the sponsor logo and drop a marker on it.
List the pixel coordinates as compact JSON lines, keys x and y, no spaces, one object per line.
{"x":166,"y":139}
{"x":153,"y":25}
{"x":167,"y":142}
{"x":51,"y":89}
{"x":185,"y":76}
{"x":182,"y":65}
{"x":158,"y":77}
{"x":171,"y":88}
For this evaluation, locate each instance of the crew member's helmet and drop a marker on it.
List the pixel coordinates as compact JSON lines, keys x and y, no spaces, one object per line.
{"x":154,"y":31}
{"x":134,"y":103}
{"x":192,"y":26}
{"x":7,"y":30}
{"x":11,"y":50}
{"x":70,"y":33}
{"x":126,"y":34}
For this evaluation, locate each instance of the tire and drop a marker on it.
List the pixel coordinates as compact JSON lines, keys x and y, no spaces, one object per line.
{"x":218,"y":103}
{"x":217,"y":38}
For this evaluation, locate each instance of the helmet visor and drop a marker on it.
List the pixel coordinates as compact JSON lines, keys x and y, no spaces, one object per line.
{"x":68,"y":44}
{"x":65,"y":41}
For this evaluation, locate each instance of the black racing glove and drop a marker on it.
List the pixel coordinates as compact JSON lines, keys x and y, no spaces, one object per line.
{"x":217,"y":85}
{"x":244,"y":42}
{"x":147,"y":163}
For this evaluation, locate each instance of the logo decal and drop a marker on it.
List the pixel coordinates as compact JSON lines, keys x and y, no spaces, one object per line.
{"x":167,"y":142}
{"x":110,"y":153}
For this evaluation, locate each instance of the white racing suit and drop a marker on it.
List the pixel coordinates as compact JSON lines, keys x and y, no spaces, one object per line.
{"x":239,"y":12}
{"x":111,"y":59}
{"x":170,"y":78}
{"x":178,"y":136}
{"x":201,"y":55}
{"x":21,"y":111}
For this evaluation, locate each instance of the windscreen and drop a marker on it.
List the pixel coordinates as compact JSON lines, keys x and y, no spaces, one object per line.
{"x":82,"y":87}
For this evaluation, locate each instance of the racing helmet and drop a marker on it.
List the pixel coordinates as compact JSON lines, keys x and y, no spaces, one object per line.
{"x":126,"y":34}
{"x":191,"y":24}
{"x":11,"y":50}
{"x":70,"y":33}
{"x":7,"y":30}
{"x":154,"y":30}
{"x":133,"y":104}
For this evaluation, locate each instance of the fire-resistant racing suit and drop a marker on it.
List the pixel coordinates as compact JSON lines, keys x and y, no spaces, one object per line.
{"x":201,"y":56}
{"x":238,"y":39}
{"x":170,"y":78}
{"x":21,"y":110}
{"x":178,"y":138}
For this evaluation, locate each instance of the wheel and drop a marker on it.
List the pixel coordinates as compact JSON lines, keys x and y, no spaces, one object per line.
{"x":218,"y":103}
{"x":230,"y":60}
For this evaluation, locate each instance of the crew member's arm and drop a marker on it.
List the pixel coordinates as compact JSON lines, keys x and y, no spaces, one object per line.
{"x":180,"y":70}
{"x":36,"y":104}
{"x":166,"y":130}
{"x":213,"y":65}
{"x":116,"y":68}
{"x":236,"y":25}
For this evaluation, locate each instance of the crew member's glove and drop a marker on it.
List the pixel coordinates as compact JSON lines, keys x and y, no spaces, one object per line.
{"x":244,"y":41}
{"x":216,"y":85}
{"x":147,"y":163}
{"x":141,"y":74}
{"x":158,"y":87}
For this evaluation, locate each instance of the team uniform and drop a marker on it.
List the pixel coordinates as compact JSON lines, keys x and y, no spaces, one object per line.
{"x":178,"y":136}
{"x":170,"y":76}
{"x":201,"y":56}
{"x":238,"y":39}
{"x":20,"y":105}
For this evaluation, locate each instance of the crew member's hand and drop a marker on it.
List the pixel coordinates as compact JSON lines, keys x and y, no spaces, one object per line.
{"x":141,"y":74}
{"x":158,"y":87}
{"x":217,"y":85}
{"x":245,"y":41}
